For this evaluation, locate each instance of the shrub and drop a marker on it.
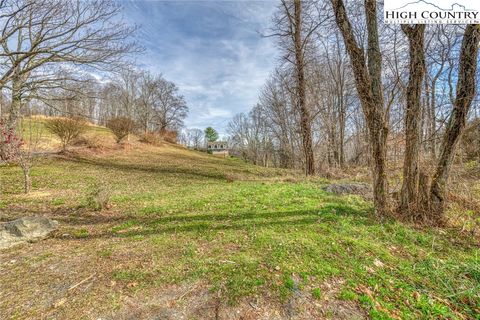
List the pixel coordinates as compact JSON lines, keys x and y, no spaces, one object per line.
{"x":98,"y":198}
{"x":121,"y":127}
{"x":169,"y":136}
{"x":151,"y":138}
{"x":89,"y":142}
{"x":470,"y":140}
{"x":67,"y":129}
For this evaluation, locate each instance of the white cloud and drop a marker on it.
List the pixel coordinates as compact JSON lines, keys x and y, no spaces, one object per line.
{"x":211,"y":50}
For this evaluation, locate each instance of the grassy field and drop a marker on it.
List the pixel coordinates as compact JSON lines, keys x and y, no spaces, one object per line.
{"x":187,"y":234}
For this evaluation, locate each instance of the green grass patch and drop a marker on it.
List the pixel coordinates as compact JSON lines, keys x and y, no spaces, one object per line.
{"x":259,"y":234}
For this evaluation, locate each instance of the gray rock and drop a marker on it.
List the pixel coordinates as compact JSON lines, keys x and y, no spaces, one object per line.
{"x":25,"y":229}
{"x":361,"y":189}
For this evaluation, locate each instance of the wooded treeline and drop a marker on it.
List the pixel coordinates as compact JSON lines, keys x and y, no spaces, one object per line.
{"x":351,"y":90}
{"x":74,"y":59}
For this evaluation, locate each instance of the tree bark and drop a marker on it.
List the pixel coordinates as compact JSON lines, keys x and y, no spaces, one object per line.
{"x":465,"y":93}
{"x":305,"y":117}
{"x":409,"y":192}
{"x":433,"y":125}
{"x":369,"y":87}
{"x":341,"y":142}
{"x":16,"y":94}
{"x":27,"y":181}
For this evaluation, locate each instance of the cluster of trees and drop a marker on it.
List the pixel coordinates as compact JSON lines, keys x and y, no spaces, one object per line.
{"x":197,"y":139}
{"x":154,"y":103}
{"x":52,"y":46}
{"x":351,"y":90}
{"x":53,"y":53}
{"x":72,"y":59}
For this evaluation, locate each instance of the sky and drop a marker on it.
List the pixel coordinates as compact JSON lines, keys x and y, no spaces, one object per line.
{"x":213,"y":50}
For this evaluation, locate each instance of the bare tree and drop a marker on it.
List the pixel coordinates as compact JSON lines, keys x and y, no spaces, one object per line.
{"x":39,"y":38}
{"x":416,"y":38}
{"x":281,"y":117}
{"x":128,"y":91}
{"x":195,"y":138}
{"x":465,"y":93}
{"x":440,"y":44}
{"x":144,"y":111}
{"x":249,"y":137}
{"x":170,"y":107}
{"x":152,"y":101}
{"x":368,"y":78}
{"x":27,"y":154}
{"x":295,"y":25}
{"x":330,"y":85}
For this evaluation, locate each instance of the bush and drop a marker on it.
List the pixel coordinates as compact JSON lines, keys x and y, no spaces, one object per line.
{"x":67,"y":129}
{"x":470,"y":140}
{"x":151,"y":138}
{"x":169,"y":136}
{"x":89,"y":142}
{"x":121,"y":127}
{"x":98,"y":197}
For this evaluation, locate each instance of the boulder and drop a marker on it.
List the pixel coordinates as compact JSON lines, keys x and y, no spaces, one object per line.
{"x":361,"y":189}
{"x":27,"y":229}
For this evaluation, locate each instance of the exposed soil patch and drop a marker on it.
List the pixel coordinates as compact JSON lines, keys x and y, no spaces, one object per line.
{"x":74,"y":276}
{"x":196,"y":301}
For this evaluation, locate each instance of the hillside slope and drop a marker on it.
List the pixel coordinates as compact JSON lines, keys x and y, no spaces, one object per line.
{"x":186,"y":234}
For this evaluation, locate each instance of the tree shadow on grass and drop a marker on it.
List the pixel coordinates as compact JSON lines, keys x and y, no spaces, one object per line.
{"x":328,"y":214}
{"x":67,"y":216}
{"x":135,"y":167}
{"x":16,"y":212}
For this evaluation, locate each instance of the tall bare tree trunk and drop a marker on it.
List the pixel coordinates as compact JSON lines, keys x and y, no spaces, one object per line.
{"x":369,"y":86}
{"x":409,"y":193}
{"x":465,"y":93}
{"x":16,"y":104}
{"x":432,"y":124}
{"x":428,"y":121}
{"x":341,"y":138}
{"x":305,"y":118}
{"x":27,"y":181}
